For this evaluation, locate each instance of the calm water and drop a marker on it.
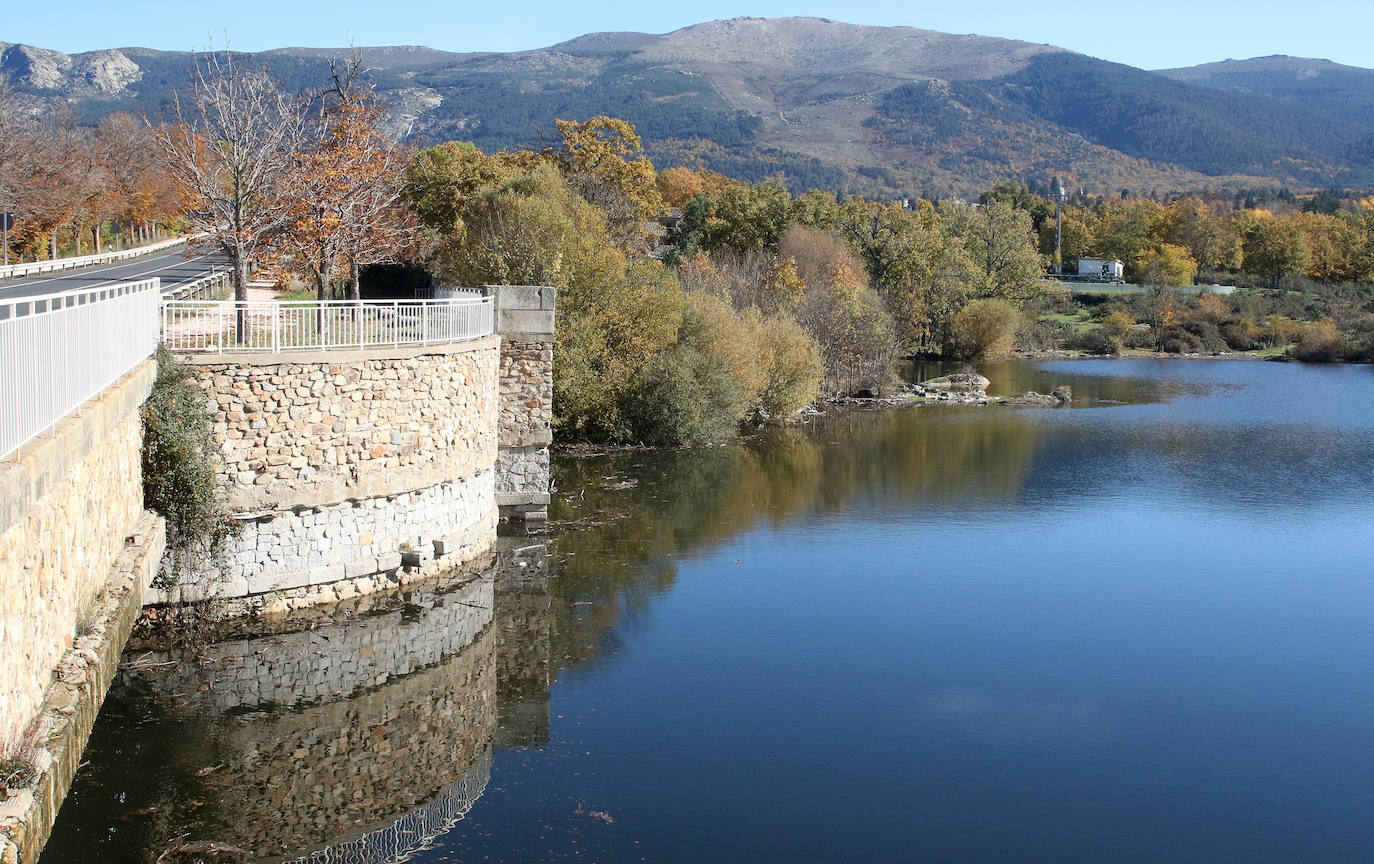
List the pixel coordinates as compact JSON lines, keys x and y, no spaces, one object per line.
{"x":1136,"y":629}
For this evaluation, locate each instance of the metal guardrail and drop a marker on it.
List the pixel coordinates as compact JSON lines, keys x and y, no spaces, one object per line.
{"x":58,"y":350}
{"x":276,"y":326}
{"x":205,"y":288}
{"x":13,"y":271}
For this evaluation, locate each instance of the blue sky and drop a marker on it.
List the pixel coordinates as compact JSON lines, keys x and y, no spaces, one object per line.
{"x":1146,"y":34}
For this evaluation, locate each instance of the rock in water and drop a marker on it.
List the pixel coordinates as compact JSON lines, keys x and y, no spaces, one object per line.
{"x":962,"y":382}
{"x":1060,"y":396}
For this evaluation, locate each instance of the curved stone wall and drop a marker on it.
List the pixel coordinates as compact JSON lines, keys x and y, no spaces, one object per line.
{"x":348,"y":471}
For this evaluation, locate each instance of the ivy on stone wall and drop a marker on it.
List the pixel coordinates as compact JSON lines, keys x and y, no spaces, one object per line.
{"x":178,"y":471}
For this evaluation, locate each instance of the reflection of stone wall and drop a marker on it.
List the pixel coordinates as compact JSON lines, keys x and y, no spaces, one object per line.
{"x":67,"y":506}
{"x":524,"y":662}
{"x":415,"y":830}
{"x":292,"y":781}
{"x":333,"y":662}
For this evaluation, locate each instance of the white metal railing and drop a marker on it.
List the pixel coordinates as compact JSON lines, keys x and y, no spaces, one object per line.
{"x":207,"y":287}
{"x":14,"y":271}
{"x":58,"y":350}
{"x":442,"y":293}
{"x":275,"y":326}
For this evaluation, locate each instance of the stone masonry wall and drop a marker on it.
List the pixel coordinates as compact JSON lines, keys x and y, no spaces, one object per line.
{"x":526,"y":392}
{"x":525,"y":323}
{"x":66,"y":509}
{"x":326,"y":427}
{"x":355,"y":545}
{"x":348,"y":471}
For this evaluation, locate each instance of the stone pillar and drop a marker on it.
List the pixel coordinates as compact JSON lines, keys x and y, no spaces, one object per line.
{"x":525,"y":323}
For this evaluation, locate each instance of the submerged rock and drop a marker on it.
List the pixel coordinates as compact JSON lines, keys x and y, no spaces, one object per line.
{"x":1058,"y":396}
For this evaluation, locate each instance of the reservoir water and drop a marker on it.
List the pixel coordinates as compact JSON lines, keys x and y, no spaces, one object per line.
{"x":1136,"y":629}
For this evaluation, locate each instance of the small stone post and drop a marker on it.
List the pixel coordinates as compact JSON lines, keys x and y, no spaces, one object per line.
{"x":525,"y":323}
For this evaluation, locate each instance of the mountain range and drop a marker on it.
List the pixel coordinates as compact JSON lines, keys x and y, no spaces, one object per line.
{"x":877,"y":110}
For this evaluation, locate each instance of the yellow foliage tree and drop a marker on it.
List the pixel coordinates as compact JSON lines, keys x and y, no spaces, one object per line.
{"x":1166,"y":264}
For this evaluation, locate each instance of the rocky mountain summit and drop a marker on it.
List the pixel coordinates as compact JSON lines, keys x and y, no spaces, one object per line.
{"x":95,"y":74}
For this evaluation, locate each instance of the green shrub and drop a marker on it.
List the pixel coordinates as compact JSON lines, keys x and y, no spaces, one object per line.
{"x":178,"y":471}
{"x":683,"y":396}
{"x":1241,"y":335}
{"x":1098,"y":340}
{"x":1180,"y":341}
{"x":1118,"y":323}
{"x":1206,"y":334}
{"x":1362,"y":340}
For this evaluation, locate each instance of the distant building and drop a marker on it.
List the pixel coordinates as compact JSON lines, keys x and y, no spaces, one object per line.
{"x":1107,"y":268}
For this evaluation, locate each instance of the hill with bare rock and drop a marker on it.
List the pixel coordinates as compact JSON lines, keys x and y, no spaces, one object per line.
{"x":877,"y":110}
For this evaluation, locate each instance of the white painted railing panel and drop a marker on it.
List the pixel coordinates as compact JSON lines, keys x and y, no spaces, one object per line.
{"x":58,"y":350}
{"x":15,"y":271}
{"x":273,"y":326}
{"x":208,"y":287}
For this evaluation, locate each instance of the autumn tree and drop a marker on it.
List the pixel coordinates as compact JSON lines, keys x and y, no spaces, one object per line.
{"x":137,"y":189}
{"x":345,"y":195}
{"x":847,"y":318}
{"x":985,"y":330}
{"x":739,"y":217}
{"x":18,"y":149}
{"x":1271,"y":246}
{"x":999,"y":241}
{"x":1166,"y":264}
{"x":1192,"y":224}
{"x":604,"y":162}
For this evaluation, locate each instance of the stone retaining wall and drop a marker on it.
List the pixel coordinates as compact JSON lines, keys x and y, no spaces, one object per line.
{"x":67,"y":508}
{"x":308,"y":429}
{"x":525,"y":321}
{"x":348,"y":472}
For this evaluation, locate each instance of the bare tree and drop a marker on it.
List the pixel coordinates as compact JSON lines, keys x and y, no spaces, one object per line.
{"x":17,"y":148}
{"x":233,"y":152}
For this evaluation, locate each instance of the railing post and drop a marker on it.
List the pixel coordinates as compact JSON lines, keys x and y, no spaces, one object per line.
{"x":276,"y":329}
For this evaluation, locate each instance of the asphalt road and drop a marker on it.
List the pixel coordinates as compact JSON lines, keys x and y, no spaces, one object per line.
{"x":171,"y":266}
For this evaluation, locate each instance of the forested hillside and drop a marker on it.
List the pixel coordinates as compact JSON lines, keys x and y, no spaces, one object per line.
{"x":873,"y":110}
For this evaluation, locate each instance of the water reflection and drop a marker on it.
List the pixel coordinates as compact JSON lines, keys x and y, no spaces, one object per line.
{"x":982,"y":630}
{"x":352,"y":741}
{"x":1094,"y":381}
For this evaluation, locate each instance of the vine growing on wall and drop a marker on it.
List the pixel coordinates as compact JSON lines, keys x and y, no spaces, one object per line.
{"x":178,"y":471}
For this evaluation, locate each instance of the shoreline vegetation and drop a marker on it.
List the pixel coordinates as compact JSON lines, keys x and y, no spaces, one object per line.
{"x":693,"y":306}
